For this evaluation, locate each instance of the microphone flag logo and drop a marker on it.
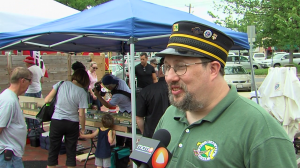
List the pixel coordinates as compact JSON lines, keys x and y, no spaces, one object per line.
{"x":160,"y":158}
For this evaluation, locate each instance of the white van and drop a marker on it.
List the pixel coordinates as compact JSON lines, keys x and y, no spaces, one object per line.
{"x":259,"y":57}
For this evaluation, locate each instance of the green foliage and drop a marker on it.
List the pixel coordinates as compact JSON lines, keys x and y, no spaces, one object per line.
{"x":81,"y":4}
{"x":261,"y":71}
{"x":277,"y":22}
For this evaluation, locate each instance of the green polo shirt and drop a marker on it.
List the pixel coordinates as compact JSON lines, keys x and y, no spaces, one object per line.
{"x":237,"y":133}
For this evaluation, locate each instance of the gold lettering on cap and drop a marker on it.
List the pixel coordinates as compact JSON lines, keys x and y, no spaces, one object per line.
{"x":175,"y":27}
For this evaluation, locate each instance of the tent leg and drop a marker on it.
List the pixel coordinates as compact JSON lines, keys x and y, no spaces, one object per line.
{"x":133,"y":98}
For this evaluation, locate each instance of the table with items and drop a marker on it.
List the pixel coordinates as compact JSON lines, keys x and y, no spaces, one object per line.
{"x":122,"y":124}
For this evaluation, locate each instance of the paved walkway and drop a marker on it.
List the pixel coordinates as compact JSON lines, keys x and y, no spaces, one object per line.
{"x":39,"y":154}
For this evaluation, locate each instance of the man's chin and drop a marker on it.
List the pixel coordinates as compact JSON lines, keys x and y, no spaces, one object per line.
{"x":175,"y":100}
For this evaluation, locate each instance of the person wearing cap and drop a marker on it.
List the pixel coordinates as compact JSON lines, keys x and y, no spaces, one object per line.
{"x":120,"y":93}
{"x":152,"y":104}
{"x":210,"y":124}
{"x":12,"y":125}
{"x":34,"y":89}
{"x":144,"y":72}
{"x":120,"y":97}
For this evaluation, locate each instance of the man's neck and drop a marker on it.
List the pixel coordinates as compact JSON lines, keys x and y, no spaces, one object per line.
{"x":15,"y":89}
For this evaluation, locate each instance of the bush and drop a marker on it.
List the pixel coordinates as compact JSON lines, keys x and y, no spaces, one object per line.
{"x":265,"y":71}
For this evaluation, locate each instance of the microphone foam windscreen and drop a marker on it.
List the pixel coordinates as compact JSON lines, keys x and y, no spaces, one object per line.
{"x":163,"y":136}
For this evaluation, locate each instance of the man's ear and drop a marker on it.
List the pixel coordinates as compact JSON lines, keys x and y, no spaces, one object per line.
{"x":22,"y":80}
{"x":215,"y":67}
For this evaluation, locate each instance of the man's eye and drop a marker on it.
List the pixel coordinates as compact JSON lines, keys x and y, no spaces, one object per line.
{"x":180,"y":66}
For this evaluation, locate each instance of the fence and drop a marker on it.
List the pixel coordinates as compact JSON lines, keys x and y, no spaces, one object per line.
{"x":58,"y":68}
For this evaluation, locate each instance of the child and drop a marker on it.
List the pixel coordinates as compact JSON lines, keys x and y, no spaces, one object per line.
{"x":106,"y":138}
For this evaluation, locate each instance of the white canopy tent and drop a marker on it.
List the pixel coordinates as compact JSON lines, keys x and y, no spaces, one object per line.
{"x":280,"y":96}
{"x":17,"y":15}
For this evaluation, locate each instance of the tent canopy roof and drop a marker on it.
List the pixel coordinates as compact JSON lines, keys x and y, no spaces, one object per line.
{"x":17,"y":15}
{"x":118,"y":19}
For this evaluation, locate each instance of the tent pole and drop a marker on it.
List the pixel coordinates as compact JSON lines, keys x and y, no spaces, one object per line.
{"x":9,"y":64}
{"x":154,"y":37}
{"x":65,"y":41}
{"x":26,"y":39}
{"x":133,"y":98}
{"x":108,"y":38}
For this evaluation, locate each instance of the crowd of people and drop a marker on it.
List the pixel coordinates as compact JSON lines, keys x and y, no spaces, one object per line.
{"x":185,"y":93}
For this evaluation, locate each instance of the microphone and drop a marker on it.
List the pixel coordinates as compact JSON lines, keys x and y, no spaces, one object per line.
{"x":152,"y":153}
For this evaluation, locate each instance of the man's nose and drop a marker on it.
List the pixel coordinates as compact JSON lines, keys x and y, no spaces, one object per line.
{"x":171,"y":76}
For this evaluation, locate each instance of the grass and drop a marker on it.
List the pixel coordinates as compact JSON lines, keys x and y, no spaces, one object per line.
{"x":265,"y":71}
{"x":261,"y":71}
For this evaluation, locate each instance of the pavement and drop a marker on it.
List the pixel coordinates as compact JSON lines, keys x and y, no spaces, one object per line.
{"x":38,"y":154}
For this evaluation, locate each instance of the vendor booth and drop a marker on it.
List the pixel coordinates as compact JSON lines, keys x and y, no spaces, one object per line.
{"x":118,"y":25}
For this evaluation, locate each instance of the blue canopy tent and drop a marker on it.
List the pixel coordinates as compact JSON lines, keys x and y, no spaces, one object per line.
{"x":106,"y":27}
{"x":111,"y":27}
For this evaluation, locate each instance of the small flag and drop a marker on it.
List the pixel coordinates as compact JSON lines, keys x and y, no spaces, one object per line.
{"x":39,"y":61}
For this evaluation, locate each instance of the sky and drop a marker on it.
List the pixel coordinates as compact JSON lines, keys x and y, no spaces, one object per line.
{"x":199,"y":7}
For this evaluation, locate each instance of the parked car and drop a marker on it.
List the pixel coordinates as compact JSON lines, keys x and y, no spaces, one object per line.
{"x":279,"y":53}
{"x":116,"y":70}
{"x":280,"y":60}
{"x":236,"y":75}
{"x":243,"y":60}
{"x":120,"y":62}
{"x":258,"y":57}
{"x":116,"y":57}
{"x":231,"y":54}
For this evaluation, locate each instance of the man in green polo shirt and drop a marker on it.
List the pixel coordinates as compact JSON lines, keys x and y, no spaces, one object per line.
{"x":211,"y":126}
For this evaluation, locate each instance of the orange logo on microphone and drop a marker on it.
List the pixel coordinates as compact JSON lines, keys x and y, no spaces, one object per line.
{"x":160,"y":158}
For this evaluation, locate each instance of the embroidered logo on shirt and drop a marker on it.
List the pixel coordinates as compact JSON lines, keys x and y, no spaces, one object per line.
{"x":206,"y":150}
{"x":277,"y":86}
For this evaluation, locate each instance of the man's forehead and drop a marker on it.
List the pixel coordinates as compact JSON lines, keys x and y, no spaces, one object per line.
{"x":176,"y":58}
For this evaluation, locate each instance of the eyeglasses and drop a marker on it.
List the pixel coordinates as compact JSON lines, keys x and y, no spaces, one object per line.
{"x":95,"y":68}
{"x":179,"y":69}
{"x":28,"y":79}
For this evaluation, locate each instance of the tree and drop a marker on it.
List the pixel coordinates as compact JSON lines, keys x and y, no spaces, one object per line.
{"x":277,"y":22}
{"x":81,"y":4}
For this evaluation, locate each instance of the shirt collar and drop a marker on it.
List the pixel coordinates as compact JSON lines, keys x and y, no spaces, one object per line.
{"x":215,"y":112}
{"x":161,"y":79}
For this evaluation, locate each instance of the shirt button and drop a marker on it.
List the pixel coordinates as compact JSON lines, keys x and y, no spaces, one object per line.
{"x":187,"y":130}
{"x":180,"y":145}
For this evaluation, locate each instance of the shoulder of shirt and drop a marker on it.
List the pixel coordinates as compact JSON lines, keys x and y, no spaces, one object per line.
{"x":153,"y":86}
{"x":258,"y":114}
{"x":138,"y":65}
{"x":170,"y":111}
{"x":9,"y":99}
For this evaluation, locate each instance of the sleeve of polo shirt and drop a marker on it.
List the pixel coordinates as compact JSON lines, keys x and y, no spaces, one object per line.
{"x":274,"y":152}
{"x":6,"y":114}
{"x":115,"y":99}
{"x":141,"y":106}
{"x":153,"y":69}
